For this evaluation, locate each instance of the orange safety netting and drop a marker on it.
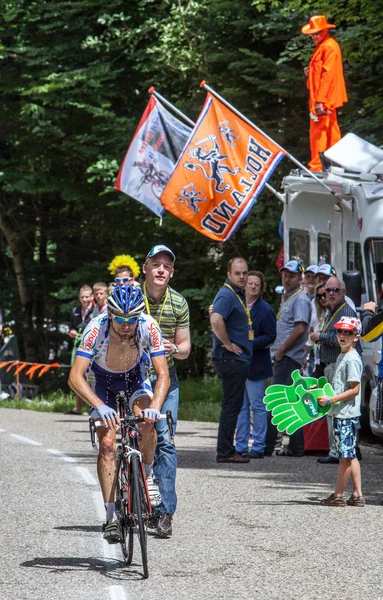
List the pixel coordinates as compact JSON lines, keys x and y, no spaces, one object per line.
{"x":34,"y":367}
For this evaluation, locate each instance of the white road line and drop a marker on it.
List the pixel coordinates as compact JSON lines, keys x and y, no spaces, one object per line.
{"x":2,"y":430}
{"x":99,"y":504}
{"x":109,"y":551}
{"x":25,"y":439}
{"x":61,"y":455}
{"x":117,"y":592}
{"x":86,"y":475}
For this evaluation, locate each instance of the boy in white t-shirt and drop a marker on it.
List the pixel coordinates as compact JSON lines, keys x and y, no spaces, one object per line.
{"x":345,"y":410}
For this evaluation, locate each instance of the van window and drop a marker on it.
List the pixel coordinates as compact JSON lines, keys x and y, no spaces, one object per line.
{"x":299,"y":240}
{"x":324,"y":249}
{"x":354,"y":256}
{"x":374,"y":263}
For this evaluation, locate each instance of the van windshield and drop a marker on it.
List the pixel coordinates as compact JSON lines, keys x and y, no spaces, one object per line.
{"x":374,"y":260}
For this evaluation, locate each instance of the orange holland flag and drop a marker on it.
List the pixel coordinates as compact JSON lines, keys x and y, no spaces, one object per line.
{"x":220,"y":173}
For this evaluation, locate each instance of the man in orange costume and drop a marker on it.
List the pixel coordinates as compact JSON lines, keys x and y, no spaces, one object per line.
{"x":327,"y":89}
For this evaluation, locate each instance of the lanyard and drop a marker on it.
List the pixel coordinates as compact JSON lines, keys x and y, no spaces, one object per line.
{"x":251,"y":332}
{"x":325,"y":327}
{"x":286,"y":302}
{"x":162,"y":306}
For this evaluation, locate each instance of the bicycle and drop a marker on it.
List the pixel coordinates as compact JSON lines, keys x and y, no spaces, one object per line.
{"x":132,"y":497}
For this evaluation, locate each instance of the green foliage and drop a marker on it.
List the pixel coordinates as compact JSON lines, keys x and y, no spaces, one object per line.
{"x":74,"y":80}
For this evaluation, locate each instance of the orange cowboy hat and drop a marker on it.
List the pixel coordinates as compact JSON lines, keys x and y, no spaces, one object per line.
{"x":317,"y":23}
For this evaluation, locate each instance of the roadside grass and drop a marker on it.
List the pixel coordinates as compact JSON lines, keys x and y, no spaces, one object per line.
{"x":200,"y":400}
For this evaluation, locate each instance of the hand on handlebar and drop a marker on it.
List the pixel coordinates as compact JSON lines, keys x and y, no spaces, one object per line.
{"x":151,"y":415}
{"x":109,"y":416}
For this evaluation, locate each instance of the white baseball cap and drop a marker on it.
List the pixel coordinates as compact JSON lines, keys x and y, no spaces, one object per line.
{"x":312,"y":269}
{"x":158,"y":249}
{"x":327,"y":270}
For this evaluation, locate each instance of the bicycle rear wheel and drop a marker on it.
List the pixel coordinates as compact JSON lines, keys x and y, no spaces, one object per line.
{"x":121,"y":506}
{"x":141,"y":510}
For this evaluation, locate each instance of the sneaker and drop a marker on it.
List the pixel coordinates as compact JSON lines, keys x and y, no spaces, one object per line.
{"x":333,"y":500}
{"x":253,"y":454}
{"x":111,"y":531}
{"x":164,"y":526}
{"x":285,"y":451}
{"x":154,"y":492}
{"x":356,"y":501}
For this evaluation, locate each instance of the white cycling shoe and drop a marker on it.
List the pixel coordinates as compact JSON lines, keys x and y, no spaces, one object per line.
{"x":154,"y":492}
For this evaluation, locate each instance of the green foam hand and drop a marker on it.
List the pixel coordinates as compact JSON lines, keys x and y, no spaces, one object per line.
{"x":287,"y":393}
{"x":294,"y":406}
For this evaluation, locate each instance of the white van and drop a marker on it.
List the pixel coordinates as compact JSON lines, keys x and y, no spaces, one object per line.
{"x":345,"y":231}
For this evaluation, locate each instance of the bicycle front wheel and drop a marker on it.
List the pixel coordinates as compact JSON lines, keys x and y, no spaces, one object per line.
{"x":121,"y":506}
{"x":141,"y":510}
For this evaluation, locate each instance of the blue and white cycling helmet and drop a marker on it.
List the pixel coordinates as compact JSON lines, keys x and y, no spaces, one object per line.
{"x":127,"y":299}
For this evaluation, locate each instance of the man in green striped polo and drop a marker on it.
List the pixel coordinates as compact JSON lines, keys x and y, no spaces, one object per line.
{"x":171,"y":311}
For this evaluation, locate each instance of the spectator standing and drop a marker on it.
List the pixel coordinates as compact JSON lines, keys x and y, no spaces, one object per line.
{"x":329,"y":348}
{"x":264,"y":327}
{"x":80,"y":317}
{"x":326,"y":271}
{"x":171,"y":312}
{"x":288,"y":350}
{"x":100,"y":293}
{"x":327,"y":89}
{"x":317,"y":320}
{"x":124,"y":269}
{"x":232,"y":352}
{"x":345,"y":411}
{"x":310,"y":280}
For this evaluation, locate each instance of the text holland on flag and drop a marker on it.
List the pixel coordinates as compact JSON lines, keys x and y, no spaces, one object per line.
{"x":220,"y":173}
{"x":157,"y":143}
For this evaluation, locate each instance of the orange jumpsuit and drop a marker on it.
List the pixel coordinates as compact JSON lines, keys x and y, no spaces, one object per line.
{"x":326,"y":84}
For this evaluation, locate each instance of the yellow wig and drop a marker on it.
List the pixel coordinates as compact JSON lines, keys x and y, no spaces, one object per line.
{"x":124,"y":260}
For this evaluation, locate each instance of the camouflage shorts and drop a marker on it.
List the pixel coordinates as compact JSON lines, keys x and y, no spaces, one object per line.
{"x":345,"y":435}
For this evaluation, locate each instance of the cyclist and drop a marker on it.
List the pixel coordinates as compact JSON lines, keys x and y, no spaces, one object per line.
{"x":115,"y":354}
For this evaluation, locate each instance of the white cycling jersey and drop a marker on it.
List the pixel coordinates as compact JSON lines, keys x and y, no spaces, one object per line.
{"x":95,"y":340}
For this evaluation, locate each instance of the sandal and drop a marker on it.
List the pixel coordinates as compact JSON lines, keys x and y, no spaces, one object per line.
{"x":356,"y":501}
{"x":333,"y":500}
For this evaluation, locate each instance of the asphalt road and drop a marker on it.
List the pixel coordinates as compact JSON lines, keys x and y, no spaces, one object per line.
{"x":241,"y":532}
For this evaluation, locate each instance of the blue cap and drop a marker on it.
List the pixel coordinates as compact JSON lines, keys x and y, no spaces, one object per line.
{"x":312,"y":269}
{"x":158,"y":249}
{"x":293,"y":266}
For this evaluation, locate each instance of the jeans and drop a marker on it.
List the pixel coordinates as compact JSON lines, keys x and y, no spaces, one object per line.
{"x":233,"y":374}
{"x":252,"y":401}
{"x":282,"y":375}
{"x":165,"y":458}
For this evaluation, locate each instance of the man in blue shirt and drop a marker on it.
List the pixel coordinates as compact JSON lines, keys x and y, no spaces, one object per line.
{"x":231,"y":355}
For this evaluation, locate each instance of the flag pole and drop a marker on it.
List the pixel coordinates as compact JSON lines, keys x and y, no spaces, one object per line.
{"x":203,"y":84}
{"x":277,"y":194}
{"x":152,"y":90}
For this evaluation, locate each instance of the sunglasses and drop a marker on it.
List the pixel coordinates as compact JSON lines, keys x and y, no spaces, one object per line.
{"x":123,"y":320}
{"x":123,"y":279}
{"x":329,"y":290}
{"x":321,"y":296}
{"x":346,"y":332}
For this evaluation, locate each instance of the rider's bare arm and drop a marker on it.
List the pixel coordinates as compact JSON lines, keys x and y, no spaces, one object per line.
{"x":180,"y":348}
{"x":78,"y":383}
{"x":161,"y":370}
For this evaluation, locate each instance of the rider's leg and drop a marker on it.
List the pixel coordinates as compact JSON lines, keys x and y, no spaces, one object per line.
{"x":106,"y":467}
{"x":148,"y":441}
